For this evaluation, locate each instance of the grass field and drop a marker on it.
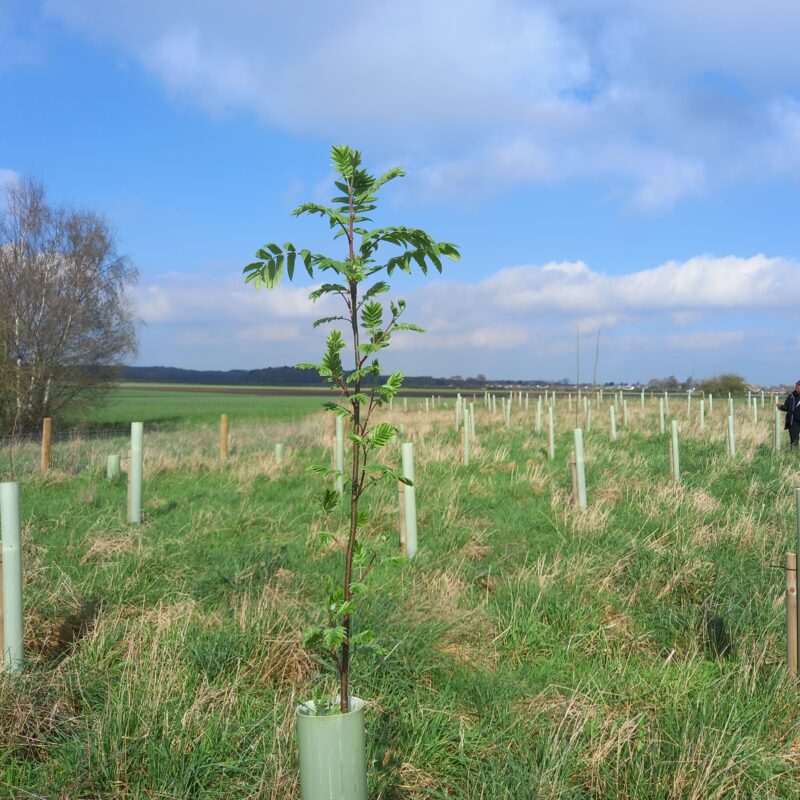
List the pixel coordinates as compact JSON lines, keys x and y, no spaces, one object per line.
{"x":635,"y":650}
{"x":160,"y":407}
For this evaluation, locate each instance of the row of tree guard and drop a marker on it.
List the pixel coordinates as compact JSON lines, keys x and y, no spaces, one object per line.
{"x":490,"y":400}
{"x":11,"y":618}
{"x":11,"y":575}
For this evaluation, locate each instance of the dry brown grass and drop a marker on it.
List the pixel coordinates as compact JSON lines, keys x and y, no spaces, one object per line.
{"x":106,"y":547}
{"x":470,"y":634}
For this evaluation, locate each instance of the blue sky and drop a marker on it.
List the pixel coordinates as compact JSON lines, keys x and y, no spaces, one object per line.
{"x":615,"y":165}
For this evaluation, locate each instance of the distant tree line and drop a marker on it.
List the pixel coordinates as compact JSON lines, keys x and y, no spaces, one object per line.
{"x":292,"y":376}
{"x":717,"y":385}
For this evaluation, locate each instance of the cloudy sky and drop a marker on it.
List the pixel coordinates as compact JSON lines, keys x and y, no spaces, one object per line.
{"x":626,"y":167}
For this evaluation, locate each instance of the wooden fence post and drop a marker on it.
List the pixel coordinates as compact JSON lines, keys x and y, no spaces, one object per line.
{"x":47,"y":434}
{"x":223,"y":437}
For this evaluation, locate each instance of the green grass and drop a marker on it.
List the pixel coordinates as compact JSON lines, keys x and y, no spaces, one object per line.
{"x":161,"y":408}
{"x":530,"y":651}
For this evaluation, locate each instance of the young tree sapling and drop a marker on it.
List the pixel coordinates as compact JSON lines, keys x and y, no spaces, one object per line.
{"x":360,"y":388}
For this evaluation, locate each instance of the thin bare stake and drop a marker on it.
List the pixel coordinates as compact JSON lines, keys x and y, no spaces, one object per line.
{"x":791,"y":613}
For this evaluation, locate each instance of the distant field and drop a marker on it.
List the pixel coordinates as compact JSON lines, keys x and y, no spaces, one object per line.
{"x":169,"y":407}
{"x":321,"y":391}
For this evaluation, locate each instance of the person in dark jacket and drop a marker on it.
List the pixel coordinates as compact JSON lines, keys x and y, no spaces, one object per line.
{"x":792,"y":408}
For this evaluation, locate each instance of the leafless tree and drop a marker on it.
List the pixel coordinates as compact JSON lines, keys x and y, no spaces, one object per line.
{"x":65,"y":315}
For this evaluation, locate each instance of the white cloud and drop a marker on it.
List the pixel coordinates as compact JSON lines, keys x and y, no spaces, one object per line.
{"x":177,"y":298}
{"x":269,"y":332}
{"x":704,"y":282}
{"x":705,"y":340}
{"x":8,"y":176}
{"x":518,"y":321}
{"x":462,"y":336}
{"x":659,"y":101}
{"x":153,"y":304}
